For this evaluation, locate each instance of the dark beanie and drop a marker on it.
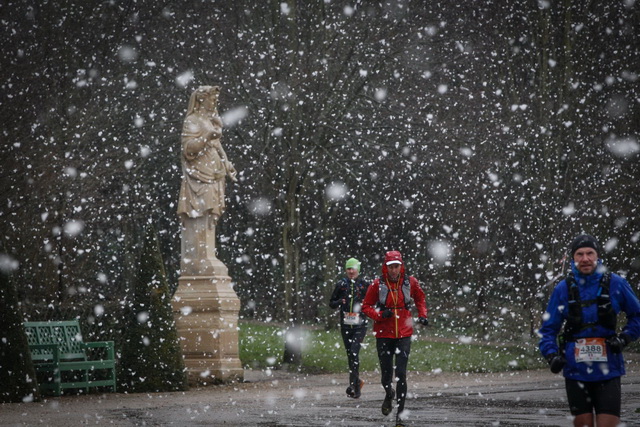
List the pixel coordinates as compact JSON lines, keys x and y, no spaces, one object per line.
{"x":585,"y":241}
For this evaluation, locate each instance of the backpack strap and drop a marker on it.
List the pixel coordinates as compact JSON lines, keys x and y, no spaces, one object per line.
{"x":574,"y":317}
{"x":383,"y":291}
{"x":406,"y":291}
{"x":606,"y":314}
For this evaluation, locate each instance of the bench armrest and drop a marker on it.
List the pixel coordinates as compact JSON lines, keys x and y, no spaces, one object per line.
{"x":55,"y":350}
{"x":43,"y":346}
{"x":97,"y":344}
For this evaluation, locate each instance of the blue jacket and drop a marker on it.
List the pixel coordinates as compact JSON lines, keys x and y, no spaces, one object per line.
{"x":622,"y":299}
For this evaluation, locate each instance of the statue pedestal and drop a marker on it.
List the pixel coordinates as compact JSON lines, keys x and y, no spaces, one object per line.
{"x":206,"y":311}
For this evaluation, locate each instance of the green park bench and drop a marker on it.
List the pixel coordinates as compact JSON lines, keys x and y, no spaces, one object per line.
{"x":62,"y":360}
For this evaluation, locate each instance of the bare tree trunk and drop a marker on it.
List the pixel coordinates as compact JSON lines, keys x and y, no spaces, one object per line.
{"x":329,"y":263}
{"x":291,"y":246}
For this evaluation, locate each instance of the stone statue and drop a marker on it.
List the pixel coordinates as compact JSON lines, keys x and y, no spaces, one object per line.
{"x":204,"y":162}
{"x":205,"y":306}
{"x":205,"y":167}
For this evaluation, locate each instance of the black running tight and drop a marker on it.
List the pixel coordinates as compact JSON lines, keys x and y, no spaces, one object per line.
{"x":352,"y":338}
{"x":387,"y":349}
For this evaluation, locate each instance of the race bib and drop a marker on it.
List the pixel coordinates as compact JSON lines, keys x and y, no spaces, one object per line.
{"x":352,"y":319}
{"x":590,"y":350}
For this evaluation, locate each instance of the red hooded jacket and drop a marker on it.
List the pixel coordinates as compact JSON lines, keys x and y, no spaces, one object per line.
{"x":400,"y":325}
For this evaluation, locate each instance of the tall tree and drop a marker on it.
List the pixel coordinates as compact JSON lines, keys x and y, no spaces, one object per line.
{"x":151,"y":359}
{"x":18,"y":381}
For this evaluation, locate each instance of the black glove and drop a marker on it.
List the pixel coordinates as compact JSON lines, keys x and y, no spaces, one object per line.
{"x":387,"y":313}
{"x":556,"y":362}
{"x":618,"y":342}
{"x":423,"y":321}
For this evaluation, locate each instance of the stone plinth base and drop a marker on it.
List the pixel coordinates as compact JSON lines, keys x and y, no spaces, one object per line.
{"x":206,"y":312}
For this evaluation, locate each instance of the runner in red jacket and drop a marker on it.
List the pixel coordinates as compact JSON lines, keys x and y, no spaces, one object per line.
{"x":388,"y":302}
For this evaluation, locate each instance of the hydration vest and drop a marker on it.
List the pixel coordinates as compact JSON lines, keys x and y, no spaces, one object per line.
{"x":606,"y":313}
{"x":357,"y":284}
{"x":383,"y":291}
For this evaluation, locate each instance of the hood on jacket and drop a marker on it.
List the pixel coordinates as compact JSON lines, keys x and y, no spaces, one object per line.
{"x":392,"y":257}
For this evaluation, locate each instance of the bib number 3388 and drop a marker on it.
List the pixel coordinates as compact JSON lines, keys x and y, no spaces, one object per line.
{"x":591,"y":350}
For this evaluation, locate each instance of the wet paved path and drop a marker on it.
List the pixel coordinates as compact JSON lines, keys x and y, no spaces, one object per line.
{"x":526,"y":398}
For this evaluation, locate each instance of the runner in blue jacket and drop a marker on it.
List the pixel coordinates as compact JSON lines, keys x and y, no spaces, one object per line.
{"x":589,"y":351}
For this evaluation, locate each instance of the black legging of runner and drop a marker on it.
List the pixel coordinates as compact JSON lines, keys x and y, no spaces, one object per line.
{"x":352,"y":338}
{"x":387,"y":349}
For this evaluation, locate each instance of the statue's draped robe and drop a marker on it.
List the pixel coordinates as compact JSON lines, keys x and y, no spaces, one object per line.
{"x":204,"y":169}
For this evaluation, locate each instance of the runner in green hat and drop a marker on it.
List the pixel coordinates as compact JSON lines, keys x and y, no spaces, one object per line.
{"x":348,"y":295}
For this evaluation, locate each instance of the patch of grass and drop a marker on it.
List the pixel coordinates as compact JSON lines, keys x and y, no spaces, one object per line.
{"x":458,"y":357}
{"x":325,"y":352}
{"x":262,"y":346}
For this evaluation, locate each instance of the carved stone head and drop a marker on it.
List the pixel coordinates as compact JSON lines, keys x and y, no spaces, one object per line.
{"x":205,"y":98}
